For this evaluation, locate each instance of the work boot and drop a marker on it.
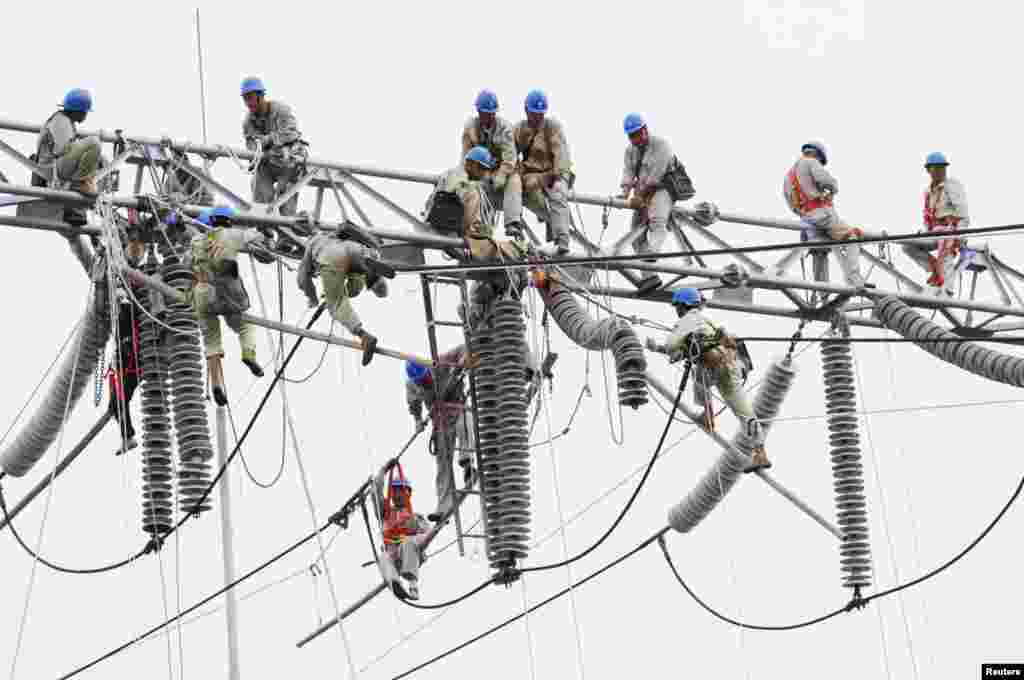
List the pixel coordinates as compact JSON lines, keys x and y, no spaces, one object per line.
{"x":399,"y":590}
{"x":369,"y":342}
{"x":468,"y":475}
{"x":249,"y":359}
{"x":758,"y":460}
{"x":648,"y":285}
{"x":220,"y":397}
{"x":130,"y":444}
{"x":378,"y":286}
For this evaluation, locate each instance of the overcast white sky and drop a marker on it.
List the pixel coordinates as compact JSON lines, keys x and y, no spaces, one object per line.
{"x":737,"y":87}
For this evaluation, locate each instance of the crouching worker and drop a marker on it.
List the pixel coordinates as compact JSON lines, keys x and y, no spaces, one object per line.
{"x":405,"y":532}
{"x":718,"y":360}
{"x":346,"y":267}
{"x":218,"y":292}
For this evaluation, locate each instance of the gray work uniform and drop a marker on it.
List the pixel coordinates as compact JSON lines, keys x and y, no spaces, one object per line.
{"x":821,"y":221}
{"x":728,"y":377}
{"x":948,"y":201}
{"x":452,"y":426}
{"x":332,"y":259}
{"x":654,"y":158}
{"x":284,"y":154}
{"x":57,"y":148}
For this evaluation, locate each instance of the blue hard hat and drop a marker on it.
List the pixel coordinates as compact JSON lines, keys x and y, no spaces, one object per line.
{"x":486,"y":102}
{"x":537,"y":102}
{"x":819,"y":149}
{"x":222,"y":212}
{"x":401,"y":482}
{"x":688,"y":297}
{"x":204,"y":216}
{"x":416,"y":372}
{"x":633,"y":122}
{"x":252,"y":84}
{"x":482,"y":156}
{"x":936,"y":158}
{"x":77,"y":100}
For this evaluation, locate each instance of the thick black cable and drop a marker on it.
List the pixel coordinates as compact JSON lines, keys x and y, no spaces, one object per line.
{"x":609,"y":259}
{"x":248,"y":428}
{"x":636,"y":491}
{"x":449,"y":603}
{"x":293,"y":547}
{"x":614,"y":563}
{"x":856,"y":602}
{"x":56,"y":567}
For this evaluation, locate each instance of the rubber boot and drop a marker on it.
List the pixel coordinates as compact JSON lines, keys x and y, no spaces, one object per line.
{"x":758,"y":460}
{"x":220,"y":397}
{"x":648,"y":285}
{"x":127,"y":446}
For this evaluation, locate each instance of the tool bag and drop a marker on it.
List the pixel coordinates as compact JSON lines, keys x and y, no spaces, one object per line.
{"x":227,"y":292}
{"x":677,"y":182}
{"x":444,"y":211}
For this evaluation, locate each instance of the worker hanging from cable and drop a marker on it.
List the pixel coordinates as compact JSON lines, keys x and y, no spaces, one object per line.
{"x":719,"y":360}
{"x":405,"y":531}
{"x":346,"y":267}
{"x":270,"y":130}
{"x":945,"y":209}
{"x":443,"y":391}
{"x":67,"y":162}
{"x":504,"y":187}
{"x":546,"y":171}
{"x":218,"y":292}
{"x":655,"y":177}
{"x":125,"y":372}
{"x":809,"y":190}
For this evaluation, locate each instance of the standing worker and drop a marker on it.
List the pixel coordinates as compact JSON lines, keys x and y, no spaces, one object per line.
{"x":218,"y":291}
{"x":545,"y":169}
{"x":492,"y":132}
{"x":346,"y":268}
{"x":809,"y":190}
{"x":718,"y":360}
{"x":657,"y":180}
{"x":404,"y":534}
{"x":271,"y":131}
{"x":125,"y":373}
{"x":444,"y":394}
{"x":945,"y":209}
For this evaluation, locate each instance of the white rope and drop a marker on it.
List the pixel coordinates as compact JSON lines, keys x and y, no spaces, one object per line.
{"x":167,"y":615}
{"x":529,"y":633}
{"x":46,"y":505}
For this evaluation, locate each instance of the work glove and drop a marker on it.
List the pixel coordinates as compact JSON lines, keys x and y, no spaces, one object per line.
{"x":635,"y":202}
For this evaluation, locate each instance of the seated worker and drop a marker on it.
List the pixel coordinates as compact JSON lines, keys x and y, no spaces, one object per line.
{"x":405,"y":532}
{"x":717,"y":361}
{"x":346,"y":268}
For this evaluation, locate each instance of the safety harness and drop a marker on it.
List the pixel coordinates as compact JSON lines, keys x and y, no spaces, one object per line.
{"x":396,"y":521}
{"x":948,"y":247}
{"x":799,"y":201}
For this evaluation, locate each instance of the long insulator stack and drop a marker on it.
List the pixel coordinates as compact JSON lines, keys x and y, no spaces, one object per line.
{"x":157,"y":470}
{"x":608,"y":334}
{"x":191,"y":426}
{"x":847,"y":470}
{"x":503,"y":447}
{"x":717,"y":481}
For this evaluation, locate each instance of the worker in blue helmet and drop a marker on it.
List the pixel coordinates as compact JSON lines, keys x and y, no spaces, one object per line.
{"x":810,"y":190}
{"x":443,"y":392}
{"x":462,"y":189}
{"x":489,"y":130}
{"x":218,"y":292}
{"x":652,"y":181}
{"x":405,"y":531}
{"x":64,"y":161}
{"x":545,"y":170}
{"x":271,"y":130}
{"x":719,"y":360}
{"x":945,"y":209}
{"x":346,"y":268}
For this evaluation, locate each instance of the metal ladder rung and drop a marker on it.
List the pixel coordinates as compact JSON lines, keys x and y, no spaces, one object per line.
{"x":473,"y":536}
{"x":456,"y":324}
{"x":467,"y":492}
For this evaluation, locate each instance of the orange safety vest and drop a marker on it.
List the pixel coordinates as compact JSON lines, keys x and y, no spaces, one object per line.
{"x":799,"y":200}
{"x":398,"y":523}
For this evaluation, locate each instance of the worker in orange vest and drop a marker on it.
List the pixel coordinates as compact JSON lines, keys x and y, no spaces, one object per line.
{"x":404,"y":533}
{"x":809,"y":190}
{"x":945,"y":209}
